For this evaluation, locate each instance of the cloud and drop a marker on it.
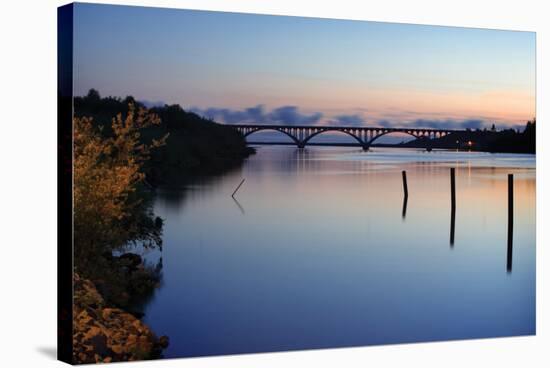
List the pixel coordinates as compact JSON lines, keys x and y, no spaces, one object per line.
{"x":284,"y":115}
{"x":436,"y":124}
{"x":448,"y":124}
{"x":228,"y":116}
{"x":290,"y":115}
{"x":348,"y":120}
{"x":256,"y":113}
{"x":384,"y":123}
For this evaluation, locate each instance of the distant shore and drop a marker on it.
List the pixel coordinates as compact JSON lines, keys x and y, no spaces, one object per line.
{"x":375,"y":145}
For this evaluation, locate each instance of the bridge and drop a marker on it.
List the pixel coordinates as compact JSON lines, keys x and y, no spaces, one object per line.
{"x":365,"y":136}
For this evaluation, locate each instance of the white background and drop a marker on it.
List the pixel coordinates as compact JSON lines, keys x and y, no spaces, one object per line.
{"x":28,"y":183}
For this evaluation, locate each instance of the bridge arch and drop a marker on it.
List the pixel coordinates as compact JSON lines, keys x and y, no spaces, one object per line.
{"x":411,"y":133}
{"x":308,"y":138}
{"x":296,"y":140}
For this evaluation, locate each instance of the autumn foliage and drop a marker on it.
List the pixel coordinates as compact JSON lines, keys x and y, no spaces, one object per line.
{"x":108,"y":174}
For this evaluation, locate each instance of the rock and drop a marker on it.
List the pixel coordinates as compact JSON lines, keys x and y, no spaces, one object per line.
{"x":92,"y":313}
{"x":106,"y":313}
{"x":164,"y":341}
{"x":99,"y":344}
{"x":107,"y":334}
{"x":145,"y":344}
{"x":132,"y":329}
{"x":132,"y":339}
{"x":84,"y":318}
{"x":117,"y":349}
{"x":136,"y":314}
{"x":93,"y":331}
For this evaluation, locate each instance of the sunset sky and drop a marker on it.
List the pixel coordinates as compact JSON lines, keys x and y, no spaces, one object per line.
{"x":293,"y":70}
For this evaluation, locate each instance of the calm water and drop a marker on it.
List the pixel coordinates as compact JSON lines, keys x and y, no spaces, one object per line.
{"x":319,"y":252}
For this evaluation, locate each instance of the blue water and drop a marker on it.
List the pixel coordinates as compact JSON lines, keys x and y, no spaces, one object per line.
{"x":318,"y":251}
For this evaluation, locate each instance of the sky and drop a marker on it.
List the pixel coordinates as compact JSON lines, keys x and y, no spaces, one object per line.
{"x":246,"y":68}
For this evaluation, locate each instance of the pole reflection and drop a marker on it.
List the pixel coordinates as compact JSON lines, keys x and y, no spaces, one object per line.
{"x":452,"y":235}
{"x":453,"y":207}
{"x":239,"y":205}
{"x":509,"y":252}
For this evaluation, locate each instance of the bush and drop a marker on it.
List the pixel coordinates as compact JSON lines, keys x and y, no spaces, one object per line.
{"x":108,"y":211}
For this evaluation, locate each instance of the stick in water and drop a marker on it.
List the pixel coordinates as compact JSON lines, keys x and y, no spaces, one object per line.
{"x":238,"y":186}
{"x":405,"y":189}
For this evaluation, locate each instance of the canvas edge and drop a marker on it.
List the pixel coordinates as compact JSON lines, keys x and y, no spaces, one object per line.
{"x":65,"y":183}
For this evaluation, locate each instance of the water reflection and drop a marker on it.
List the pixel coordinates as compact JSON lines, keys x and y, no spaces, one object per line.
{"x":509,"y":253}
{"x":510,"y":222}
{"x":453,"y":201}
{"x":322,"y":260}
{"x":452,"y":232}
{"x":239,"y":206}
{"x":175,"y":196}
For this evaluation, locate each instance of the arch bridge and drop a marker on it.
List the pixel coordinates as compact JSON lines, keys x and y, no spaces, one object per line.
{"x":365,"y":136}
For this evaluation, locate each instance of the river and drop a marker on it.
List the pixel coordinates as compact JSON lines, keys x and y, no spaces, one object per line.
{"x":319,"y":250}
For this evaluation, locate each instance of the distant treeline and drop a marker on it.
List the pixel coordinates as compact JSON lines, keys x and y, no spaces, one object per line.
{"x":490,"y":140}
{"x":195,"y":145}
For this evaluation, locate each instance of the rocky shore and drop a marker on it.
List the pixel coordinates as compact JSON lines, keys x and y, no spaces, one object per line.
{"x":102,"y":334}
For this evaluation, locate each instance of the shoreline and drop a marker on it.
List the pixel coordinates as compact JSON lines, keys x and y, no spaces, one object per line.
{"x":103,"y":334}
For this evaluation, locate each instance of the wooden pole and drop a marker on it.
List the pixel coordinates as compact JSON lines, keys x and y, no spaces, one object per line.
{"x":509,"y":253}
{"x":405,"y":189}
{"x":453,"y":188}
{"x":238,"y":186}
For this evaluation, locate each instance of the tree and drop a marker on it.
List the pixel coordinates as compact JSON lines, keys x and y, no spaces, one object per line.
{"x":93,"y":95}
{"x":107,"y":174}
{"x":530,"y":135}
